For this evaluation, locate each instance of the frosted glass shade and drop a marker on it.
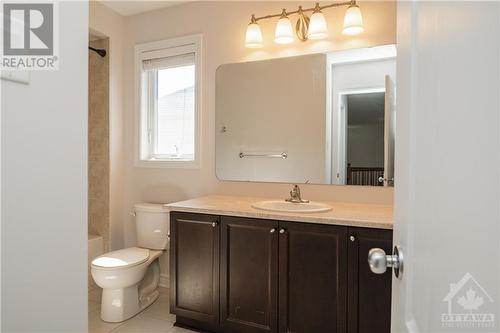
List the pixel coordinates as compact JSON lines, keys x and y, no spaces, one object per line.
{"x":253,"y":37}
{"x":353,"y":21}
{"x":284,"y":31}
{"x":317,"y":26}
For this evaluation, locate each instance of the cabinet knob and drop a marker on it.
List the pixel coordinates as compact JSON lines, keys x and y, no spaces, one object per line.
{"x":352,"y":238}
{"x":273,"y":230}
{"x":214,"y":224}
{"x":282,"y":231}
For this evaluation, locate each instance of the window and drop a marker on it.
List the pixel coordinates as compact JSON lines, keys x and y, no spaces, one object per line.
{"x":169,"y":79}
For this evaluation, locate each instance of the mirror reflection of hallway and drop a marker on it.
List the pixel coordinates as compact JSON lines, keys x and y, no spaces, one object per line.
{"x":364,"y":128}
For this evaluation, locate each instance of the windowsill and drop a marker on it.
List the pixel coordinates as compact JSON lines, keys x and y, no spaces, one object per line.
{"x":168,"y":164}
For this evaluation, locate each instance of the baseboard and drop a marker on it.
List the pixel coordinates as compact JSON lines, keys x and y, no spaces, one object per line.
{"x":164,"y":280}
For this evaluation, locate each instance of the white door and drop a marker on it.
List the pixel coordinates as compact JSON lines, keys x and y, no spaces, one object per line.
{"x":447,"y":217}
{"x":389,"y":123}
{"x":342,"y":141}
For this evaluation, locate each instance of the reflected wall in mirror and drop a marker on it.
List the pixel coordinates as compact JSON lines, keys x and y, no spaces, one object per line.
{"x":322,"y":118}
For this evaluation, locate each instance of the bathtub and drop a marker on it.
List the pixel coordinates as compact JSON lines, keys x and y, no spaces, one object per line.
{"x":96,"y":248}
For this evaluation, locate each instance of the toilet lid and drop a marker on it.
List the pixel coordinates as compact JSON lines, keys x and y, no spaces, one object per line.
{"x":127,"y":257}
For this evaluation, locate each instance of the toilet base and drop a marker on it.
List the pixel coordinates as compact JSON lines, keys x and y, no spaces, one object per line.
{"x":118,"y":305}
{"x":120,"y":310}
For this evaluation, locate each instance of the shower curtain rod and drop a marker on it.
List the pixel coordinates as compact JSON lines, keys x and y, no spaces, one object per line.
{"x":101,"y":52}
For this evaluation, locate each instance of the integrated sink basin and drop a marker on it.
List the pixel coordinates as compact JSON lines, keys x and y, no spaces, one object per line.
{"x":291,"y":207}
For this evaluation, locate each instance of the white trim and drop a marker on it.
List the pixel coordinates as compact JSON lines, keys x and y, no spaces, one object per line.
{"x":367,"y":90}
{"x":153,"y":48}
{"x":164,"y":281}
{"x":344,"y":57}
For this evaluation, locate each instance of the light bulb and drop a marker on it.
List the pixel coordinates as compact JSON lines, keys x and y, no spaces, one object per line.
{"x":353,"y":21}
{"x":253,"y":37}
{"x":284,"y":31}
{"x":317,"y":26}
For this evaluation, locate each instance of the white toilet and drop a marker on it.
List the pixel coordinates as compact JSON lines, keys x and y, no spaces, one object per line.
{"x":129,"y":277}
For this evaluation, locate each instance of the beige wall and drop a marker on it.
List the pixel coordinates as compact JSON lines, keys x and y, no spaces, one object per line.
{"x":105,"y":22}
{"x":223,"y":27}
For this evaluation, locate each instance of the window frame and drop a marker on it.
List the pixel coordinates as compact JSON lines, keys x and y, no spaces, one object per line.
{"x":144,"y":113}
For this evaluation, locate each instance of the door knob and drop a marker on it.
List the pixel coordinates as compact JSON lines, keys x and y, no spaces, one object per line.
{"x":379,"y":261}
{"x":382,"y":180}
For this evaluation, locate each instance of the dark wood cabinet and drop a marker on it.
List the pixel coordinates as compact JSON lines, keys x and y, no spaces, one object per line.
{"x":194,"y":268}
{"x":369,"y":294}
{"x":312,"y":278}
{"x":246,"y":275}
{"x":249,"y":275}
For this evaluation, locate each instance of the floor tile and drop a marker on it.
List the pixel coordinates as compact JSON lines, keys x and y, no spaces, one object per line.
{"x":176,"y":329}
{"x":160,"y":309}
{"x":96,"y":325}
{"x":142,"y":324}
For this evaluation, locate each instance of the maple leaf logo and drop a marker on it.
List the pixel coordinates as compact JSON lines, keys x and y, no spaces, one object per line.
{"x":470,"y":301}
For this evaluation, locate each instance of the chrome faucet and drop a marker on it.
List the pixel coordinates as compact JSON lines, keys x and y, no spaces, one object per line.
{"x":295,"y":195}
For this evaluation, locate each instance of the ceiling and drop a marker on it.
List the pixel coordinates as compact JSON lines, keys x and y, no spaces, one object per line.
{"x":129,"y":8}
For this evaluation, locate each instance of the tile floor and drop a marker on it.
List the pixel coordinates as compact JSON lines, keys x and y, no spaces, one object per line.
{"x":155,"y":319}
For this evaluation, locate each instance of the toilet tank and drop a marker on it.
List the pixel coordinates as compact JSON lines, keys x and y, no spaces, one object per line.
{"x":152,"y":225}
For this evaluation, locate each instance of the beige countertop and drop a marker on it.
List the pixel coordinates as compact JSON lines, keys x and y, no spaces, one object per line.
{"x":348,"y":214}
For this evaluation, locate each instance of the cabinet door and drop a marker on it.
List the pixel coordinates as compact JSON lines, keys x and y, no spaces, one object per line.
{"x":369,"y":294}
{"x":249,"y":275}
{"x":194,"y":269}
{"x":312,"y":278}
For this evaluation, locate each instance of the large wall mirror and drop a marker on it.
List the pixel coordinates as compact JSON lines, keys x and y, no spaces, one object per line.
{"x":325,"y":118}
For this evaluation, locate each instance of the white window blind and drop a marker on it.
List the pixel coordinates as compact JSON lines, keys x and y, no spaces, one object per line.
{"x":168,"y":62}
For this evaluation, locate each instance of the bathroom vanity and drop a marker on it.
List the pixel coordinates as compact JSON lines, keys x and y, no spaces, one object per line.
{"x":235,"y":268}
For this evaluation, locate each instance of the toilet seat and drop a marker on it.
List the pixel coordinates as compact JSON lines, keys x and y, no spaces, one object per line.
{"x":121,"y":259}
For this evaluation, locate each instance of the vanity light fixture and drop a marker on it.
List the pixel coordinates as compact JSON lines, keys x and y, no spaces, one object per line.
{"x":306,"y":28}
